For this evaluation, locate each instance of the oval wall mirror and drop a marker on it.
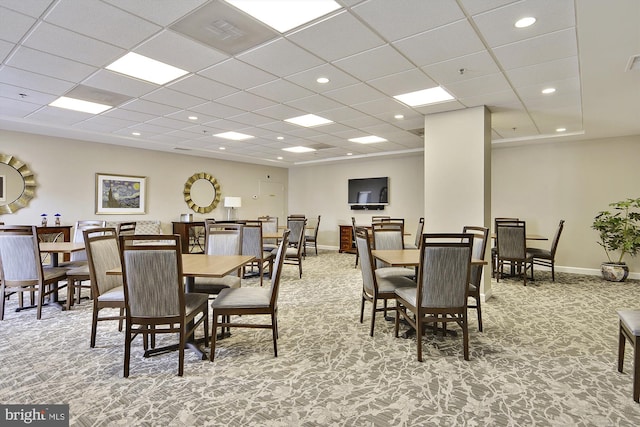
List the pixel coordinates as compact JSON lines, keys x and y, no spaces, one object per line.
{"x":202,"y":192}
{"x":17,"y":184}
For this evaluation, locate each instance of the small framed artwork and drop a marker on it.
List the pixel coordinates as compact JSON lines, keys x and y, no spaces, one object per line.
{"x":3,"y":189}
{"x":120,"y":194}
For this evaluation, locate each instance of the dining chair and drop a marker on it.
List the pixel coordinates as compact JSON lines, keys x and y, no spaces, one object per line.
{"x":21,"y":269}
{"x":269,"y":225}
{"x":378,"y":218}
{"x":312,"y":239}
{"x":511,"y":247}
{"x":252,"y":245}
{"x":250,"y":301}
{"x":294,"y":252}
{"x":220,"y":239}
{"x":480,"y":237}
{"x":78,"y":265}
{"x":630,"y":330}
{"x":353,"y":238}
{"x":416,"y":242}
{"x":154,"y":293}
{"x":443,"y":287}
{"x":494,"y":249}
{"x":374,"y":287}
{"x":126,"y":228}
{"x":547,"y":257}
{"x":389,"y":235}
{"x":101,"y":245}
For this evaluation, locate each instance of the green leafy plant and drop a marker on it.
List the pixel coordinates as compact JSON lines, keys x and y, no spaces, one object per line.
{"x":619,"y":229}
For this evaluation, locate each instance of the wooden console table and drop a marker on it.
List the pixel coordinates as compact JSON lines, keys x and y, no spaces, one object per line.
{"x":183,"y":229}
{"x":346,"y":239}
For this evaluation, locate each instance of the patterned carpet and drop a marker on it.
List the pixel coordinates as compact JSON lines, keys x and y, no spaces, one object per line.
{"x":547,"y":357}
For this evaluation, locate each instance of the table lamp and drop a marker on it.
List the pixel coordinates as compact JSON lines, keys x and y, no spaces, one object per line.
{"x":232,"y":203}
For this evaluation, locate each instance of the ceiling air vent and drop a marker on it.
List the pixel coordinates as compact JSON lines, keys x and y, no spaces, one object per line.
{"x":320,"y":146}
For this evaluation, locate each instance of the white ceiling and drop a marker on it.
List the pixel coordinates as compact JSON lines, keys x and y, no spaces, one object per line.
{"x":369,"y":49}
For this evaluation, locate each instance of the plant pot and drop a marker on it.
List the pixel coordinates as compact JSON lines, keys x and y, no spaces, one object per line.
{"x":614,"y":272}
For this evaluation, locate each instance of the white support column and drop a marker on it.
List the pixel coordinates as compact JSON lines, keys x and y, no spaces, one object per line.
{"x":457,"y":174}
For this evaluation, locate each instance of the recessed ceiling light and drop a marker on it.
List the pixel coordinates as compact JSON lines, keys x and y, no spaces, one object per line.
{"x":398,"y":116}
{"x":279,"y":157}
{"x":193,"y":118}
{"x":280,"y":138}
{"x":135,"y":133}
{"x":147,"y":69}
{"x":308,"y":120}
{"x":322,"y":80}
{"x":234,"y":136}
{"x":222,"y":148}
{"x":424,"y":97}
{"x":548,"y":90}
{"x":525,"y":22}
{"x":561,"y":129}
{"x":80,"y":105}
{"x":349,"y":154}
{"x":283,"y":15}
{"x":367,"y":139}
{"x":299,"y":149}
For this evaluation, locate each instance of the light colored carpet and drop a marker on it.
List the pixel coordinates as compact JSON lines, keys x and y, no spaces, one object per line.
{"x":547,"y":357}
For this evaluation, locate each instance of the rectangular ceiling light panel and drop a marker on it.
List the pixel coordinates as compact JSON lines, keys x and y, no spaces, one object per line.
{"x":308,"y":120}
{"x":367,"y":139}
{"x":234,"y":136}
{"x":147,"y":69}
{"x":419,"y":98}
{"x":284,"y":15}
{"x":80,"y":105}
{"x":298,"y":149}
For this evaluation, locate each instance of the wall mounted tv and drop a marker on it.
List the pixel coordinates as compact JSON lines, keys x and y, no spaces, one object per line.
{"x":369,"y":193}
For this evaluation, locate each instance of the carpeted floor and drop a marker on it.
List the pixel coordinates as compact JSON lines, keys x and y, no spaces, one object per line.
{"x":547,"y":357}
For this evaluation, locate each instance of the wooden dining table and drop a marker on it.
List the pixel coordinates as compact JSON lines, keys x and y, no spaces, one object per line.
{"x":407,"y":257}
{"x":55,"y":249}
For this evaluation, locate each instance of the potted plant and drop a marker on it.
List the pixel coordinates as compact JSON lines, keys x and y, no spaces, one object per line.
{"x":619,"y":231}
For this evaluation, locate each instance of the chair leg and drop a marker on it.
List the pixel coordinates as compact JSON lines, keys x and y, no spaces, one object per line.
{"x":419,"y":331}
{"x":275,"y":334}
{"x":621,"y":343}
{"x":465,"y":336}
{"x":636,"y":369}
{"x":553,"y":271}
{"x":40,"y":301}
{"x":373,"y":316}
{"x":479,"y":310}
{"x":94,"y":325}
{"x":183,"y":339}
{"x":214,"y":328}
{"x":362,"y":310}
{"x":70,"y":294}
{"x":127,"y":349}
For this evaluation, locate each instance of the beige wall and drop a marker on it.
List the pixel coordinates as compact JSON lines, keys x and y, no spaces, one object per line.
{"x":322,"y":190}
{"x":65,"y":173}
{"x":567,"y":180}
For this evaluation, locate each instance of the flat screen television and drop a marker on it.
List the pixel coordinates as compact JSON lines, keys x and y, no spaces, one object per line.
{"x":369,"y":191}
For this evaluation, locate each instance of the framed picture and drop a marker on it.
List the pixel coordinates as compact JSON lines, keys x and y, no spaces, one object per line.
{"x":120,"y":194}
{"x":3,"y":189}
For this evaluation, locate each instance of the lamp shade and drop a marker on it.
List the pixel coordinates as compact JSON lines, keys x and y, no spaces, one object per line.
{"x":233,"y":202}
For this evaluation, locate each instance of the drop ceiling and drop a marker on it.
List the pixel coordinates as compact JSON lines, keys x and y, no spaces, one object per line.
{"x":246,"y":77}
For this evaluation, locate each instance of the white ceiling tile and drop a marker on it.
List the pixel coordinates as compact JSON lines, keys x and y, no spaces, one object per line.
{"x":58,"y":41}
{"x":98,"y":20}
{"x":314,"y":104}
{"x":497,"y":26}
{"x":567,"y":90}
{"x":150,"y":10}
{"x":174,"y":49}
{"x":342,"y":114}
{"x":119,"y":83}
{"x":251,"y":119}
{"x":374,"y":63}
{"x":173,"y":98}
{"x":473,"y":87}
{"x":494,"y":99}
{"x":32,"y":96}
{"x":237,"y":74}
{"x":184,"y":115}
{"x":14,"y":25}
{"x":59,"y":116}
{"x":355,"y":94}
{"x":513,"y":123}
{"x":202,"y":87}
{"x":38,"y":82}
{"x":378,"y":106}
{"x":169,"y":123}
{"x":33,"y":8}
{"x":280,"y":57}
{"x":16,"y":108}
{"x":403,"y":82}
{"x":441,"y":44}
{"x":149,"y":107}
{"x":439,"y":108}
{"x":362,"y":122}
{"x":401,"y":18}
{"x":542,"y":73}
{"x":61,"y":68}
{"x":280,"y":91}
{"x":5,"y":48}
{"x":477,"y":6}
{"x":474,"y":65}
{"x":217,"y":110}
{"x":548,"y":47}
{"x":245,"y":101}
{"x":337,"y":78}
{"x":279,"y":112}
{"x":326,"y":38}
{"x":135,"y":116}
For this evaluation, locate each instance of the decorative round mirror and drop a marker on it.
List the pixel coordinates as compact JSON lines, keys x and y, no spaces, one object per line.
{"x":17,"y":184}
{"x":202,"y":192}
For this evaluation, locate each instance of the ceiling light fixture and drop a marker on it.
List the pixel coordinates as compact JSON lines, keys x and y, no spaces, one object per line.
{"x":284,"y":15}
{"x":398,"y":116}
{"x":193,"y":118}
{"x":525,"y":22}
{"x":322,"y":80}
{"x":234,"y":136}
{"x":147,"y":69}
{"x":280,"y":138}
{"x":222,"y":148}
{"x":367,"y":139}
{"x":548,"y":90}
{"x":561,"y":130}
{"x":80,"y":105}
{"x":298,"y":149}
{"x":279,"y":157}
{"x":308,"y":120}
{"x":135,"y":133}
{"x":419,"y":98}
